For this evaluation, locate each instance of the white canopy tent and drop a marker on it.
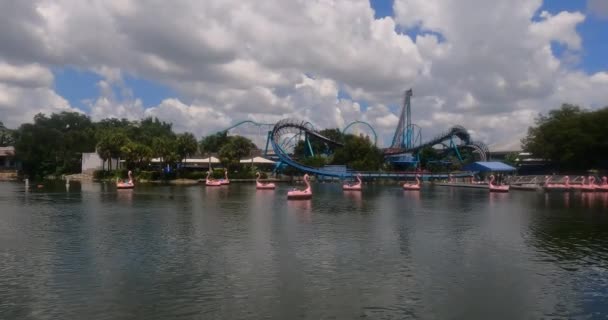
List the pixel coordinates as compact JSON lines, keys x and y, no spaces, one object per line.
{"x":257,"y":160}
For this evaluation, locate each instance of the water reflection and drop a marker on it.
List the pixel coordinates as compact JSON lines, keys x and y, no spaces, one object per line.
{"x":354,"y":197}
{"x":265,"y":191}
{"x":594,"y":199}
{"x":570,"y":236}
{"x":215,"y":193}
{"x":237,"y":252}
{"x":125,"y":195}
{"x":603,"y":199}
{"x":497,"y":197}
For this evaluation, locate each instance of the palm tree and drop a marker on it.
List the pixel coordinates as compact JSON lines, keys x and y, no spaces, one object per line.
{"x":186,"y":146}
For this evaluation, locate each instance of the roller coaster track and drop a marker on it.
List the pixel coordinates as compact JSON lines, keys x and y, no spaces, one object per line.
{"x":238,"y":124}
{"x":457,"y":131}
{"x":290,"y":128}
{"x":365,"y":124}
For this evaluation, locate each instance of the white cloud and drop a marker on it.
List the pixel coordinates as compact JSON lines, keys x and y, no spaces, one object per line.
{"x":196,"y":118}
{"x":494,"y":69}
{"x":487,"y":65}
{"x":559,"y":28}
{"x":29,"y":76}
{"x":26,"y":90}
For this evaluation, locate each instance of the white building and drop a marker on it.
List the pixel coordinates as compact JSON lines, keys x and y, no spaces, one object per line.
{"x":91,"y":162}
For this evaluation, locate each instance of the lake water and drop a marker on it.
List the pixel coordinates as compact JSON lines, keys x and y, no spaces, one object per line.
{"x":170,"y":252}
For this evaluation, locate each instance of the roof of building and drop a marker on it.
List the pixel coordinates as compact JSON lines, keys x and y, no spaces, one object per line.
{"x":489,"y":166}
{"x":192,"y":160}
{"x":7,"y":151}
{"x":258,"y":160}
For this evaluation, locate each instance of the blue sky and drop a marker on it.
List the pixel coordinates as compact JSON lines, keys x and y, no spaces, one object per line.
{"x":592,"y":31}
{"x":78,"y":86}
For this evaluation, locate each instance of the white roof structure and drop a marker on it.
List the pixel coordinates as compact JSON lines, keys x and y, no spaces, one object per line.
{"x":7,"y":151}
{"x":193,"y":160}
{"x":255,"y":160}
{"x":205,"y":160}
{"x":258,"y":160}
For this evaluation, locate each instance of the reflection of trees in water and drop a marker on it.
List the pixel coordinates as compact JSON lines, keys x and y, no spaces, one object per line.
{"x":569,"y":235}
{"x":571,"y":227}
{"x":461,"y":209}
{"x":572,"y":237}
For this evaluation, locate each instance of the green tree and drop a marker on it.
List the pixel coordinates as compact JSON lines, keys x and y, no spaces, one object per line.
{"x":136,"y":155}
{"x":301,"y":150}
{"x":359,"y":153}
{"x":186,"y":145}
{"x":428,"y":154}
{"x":570,"y":137}
{"x":316,"y":161}
{"x":6,"y":136}
{"x":232,"y":152}
{"x":110,"y":146}
{"x":147,"y":130}
{"x":512,"y":158}
{"x":165,"y":149}
{"x":214,"y":142}
{"x":104,"y":150}
{"x":54,"y":145}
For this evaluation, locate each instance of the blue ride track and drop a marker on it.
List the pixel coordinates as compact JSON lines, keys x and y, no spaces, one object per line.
{"x":405,"y":141}
{"x":289,"y":127}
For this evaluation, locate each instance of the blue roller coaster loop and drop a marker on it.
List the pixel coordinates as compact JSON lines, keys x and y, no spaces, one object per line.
{"x":289,"y":126}
{"x":363,"y":123}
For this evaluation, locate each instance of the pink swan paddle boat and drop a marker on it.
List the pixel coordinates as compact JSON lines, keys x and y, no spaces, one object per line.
{"x":210,"y":182}
{"x":305,"y":194}
{"x":225,"y":181}
{"x":126,"y":184}
{"x":590,"y":187}
{"x":496,"y":188}
{"x":604,"y":186}
{"x":413,"y":186}
{"x":353,"y":186}
{"x":556,"y":186}
{"x":261,"y":185}
{"x":577,"y":187}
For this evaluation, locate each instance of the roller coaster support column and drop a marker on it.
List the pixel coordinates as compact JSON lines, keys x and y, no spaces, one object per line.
{"x":277,"y":167}
{"x":268,"y":137}
{"x":453,"y":145}
{"x":409,"y":136}
{"x":312,"y":154}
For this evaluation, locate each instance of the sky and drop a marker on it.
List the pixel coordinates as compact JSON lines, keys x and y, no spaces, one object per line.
{"x":490,"y":66}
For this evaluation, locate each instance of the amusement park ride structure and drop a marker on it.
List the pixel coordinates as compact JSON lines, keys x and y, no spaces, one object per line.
{"x":404,"y":150}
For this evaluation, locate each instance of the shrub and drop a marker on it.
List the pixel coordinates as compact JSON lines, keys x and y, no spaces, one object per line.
{"x":194,"y":175}
{"x":104,"y":175}
{"x":147,"y":175}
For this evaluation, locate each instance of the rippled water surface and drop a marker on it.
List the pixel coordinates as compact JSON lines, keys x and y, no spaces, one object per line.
{"x":163,"y":252}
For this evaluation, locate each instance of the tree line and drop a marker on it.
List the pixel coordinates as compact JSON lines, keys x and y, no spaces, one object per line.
{"x":53,"y":145}
{"x":571,"y":138}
